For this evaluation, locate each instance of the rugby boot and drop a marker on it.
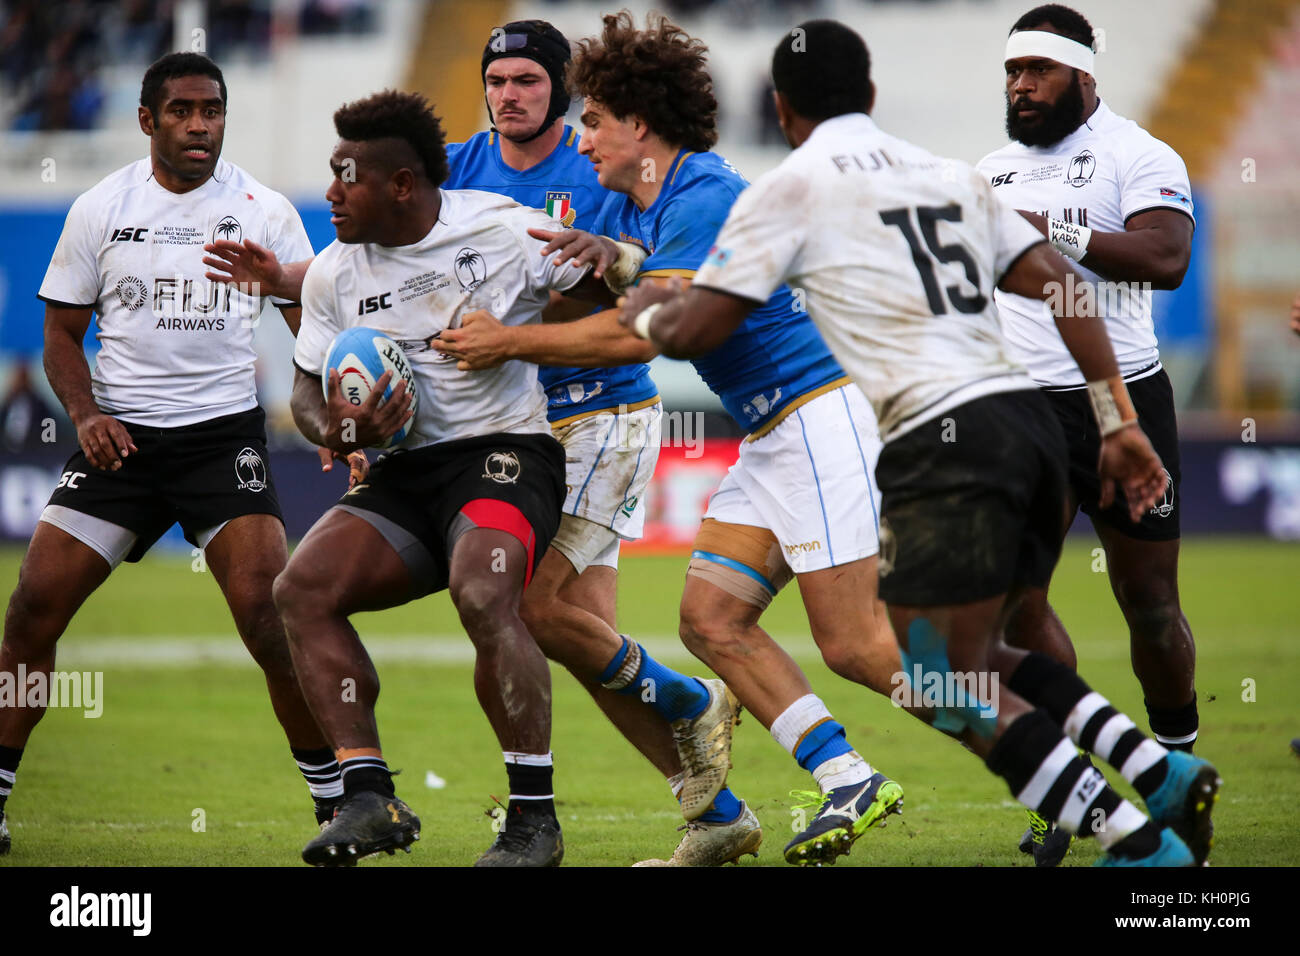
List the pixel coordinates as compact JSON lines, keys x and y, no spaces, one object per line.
{"x":1185,"y":800}
{"x":844,"y":815}
{"x":530,"y":837}
{"x":704,"y":746}
{"x":713,"y":844}
{"x":1045,"y":841}
{"x":1171,"y":852}
{"x":366,"y":822}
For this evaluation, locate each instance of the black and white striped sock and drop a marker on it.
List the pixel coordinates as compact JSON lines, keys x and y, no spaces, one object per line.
{"x":531,"y":780}
{"x":1090,"y":720}
{"x":324,"y":779}
{"x":1047,"y":775}
{"x":9,"y":757}
{"x":366,"y":773}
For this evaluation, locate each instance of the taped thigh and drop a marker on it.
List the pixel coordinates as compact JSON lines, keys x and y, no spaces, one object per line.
{"x":743,"y":560}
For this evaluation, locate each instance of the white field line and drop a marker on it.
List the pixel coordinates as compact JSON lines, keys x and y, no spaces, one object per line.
{"x":83,"y":652}
{"x":88,"y":652}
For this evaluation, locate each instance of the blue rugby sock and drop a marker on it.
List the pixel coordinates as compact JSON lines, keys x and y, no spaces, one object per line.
{"x":725,"y":808}
{"x":824,"y":742}
{"x":673,"y":696}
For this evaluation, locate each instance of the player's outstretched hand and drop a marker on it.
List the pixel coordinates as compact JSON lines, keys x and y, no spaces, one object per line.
{"x":352,"y":427}
{"x":583,"y":248}
{"x":105,"y":441}
{"x":244,"y":264}
{"x":480,"y":342}
{"x":641,"y":297}
{"x":1127,"y":459}
{"x":357,"y":462}
{"x":1295,"y":315}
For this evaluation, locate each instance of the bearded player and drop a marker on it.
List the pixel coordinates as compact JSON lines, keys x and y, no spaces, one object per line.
{"x":1117,"y":202}
{"x":898,"y":252}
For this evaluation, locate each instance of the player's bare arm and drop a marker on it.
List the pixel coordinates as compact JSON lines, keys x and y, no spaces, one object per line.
{"x":248,"y":263}
{"x":340,"y":425}
{"x":597,"y":341}
{"x":564,"y":309}
{"x":1126,"y":453}
{"x":1155,"y":247}
{"x":103,"y":438}
{"x":683,"y":325}
{"x":1295,"y":315}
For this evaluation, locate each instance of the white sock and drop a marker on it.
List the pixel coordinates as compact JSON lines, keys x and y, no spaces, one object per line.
{"x":842,"y":771}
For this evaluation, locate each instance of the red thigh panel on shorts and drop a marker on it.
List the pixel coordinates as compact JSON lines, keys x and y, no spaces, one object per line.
{"x":503,"y":516}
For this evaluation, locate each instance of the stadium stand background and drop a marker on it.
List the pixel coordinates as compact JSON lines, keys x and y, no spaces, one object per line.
{"x":1217,"y":79}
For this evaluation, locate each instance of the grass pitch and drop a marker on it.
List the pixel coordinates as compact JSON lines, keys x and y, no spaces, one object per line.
{"x":187,"y":767}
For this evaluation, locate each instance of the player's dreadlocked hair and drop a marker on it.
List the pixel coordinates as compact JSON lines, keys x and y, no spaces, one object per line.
{"x":405,"y":116}
{"x":173,"y":66}
{"x":658,"y":74}
{"x":823,"y":69}
{"x":1071,"y":24}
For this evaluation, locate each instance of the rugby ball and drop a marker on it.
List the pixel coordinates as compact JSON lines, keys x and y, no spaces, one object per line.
{"x":362,"y":355}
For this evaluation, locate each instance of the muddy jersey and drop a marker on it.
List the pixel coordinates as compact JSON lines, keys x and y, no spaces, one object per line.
{"x":895,"y":253}
{"x":478,"y":255}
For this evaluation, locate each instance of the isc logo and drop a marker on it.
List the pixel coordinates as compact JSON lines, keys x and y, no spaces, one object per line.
{"x":1004,"y":179}
{"x":129,"y":234}
{"x":374,"y":303}
{"x":71,"y":479}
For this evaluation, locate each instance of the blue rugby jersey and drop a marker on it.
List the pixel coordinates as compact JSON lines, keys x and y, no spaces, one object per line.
{"x":563,"y":185}
{"x":776,"y":356}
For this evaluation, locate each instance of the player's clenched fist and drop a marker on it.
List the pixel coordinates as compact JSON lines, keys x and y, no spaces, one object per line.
{"x":369,"y":424}
{"x":1128,"y":459}
{"x":480,"y":342}
{"x":105,"y":441}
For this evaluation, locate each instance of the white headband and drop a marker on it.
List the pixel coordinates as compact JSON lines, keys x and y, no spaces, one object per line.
{"x":1051,"y":46}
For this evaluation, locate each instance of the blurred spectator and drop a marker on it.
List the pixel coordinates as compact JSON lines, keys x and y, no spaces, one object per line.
{"x":337,"y":16}
{"x":51,"y":51}
{"x":239,"y":23}
{"x":24,"y":414}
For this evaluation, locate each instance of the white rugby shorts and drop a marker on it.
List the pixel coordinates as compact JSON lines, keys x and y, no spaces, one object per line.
{"x":609,"y":459}
{"x":811,"y":481}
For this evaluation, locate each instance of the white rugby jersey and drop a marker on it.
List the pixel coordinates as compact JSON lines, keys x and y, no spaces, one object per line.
{"x":175,"y":349}
{"x":1100,"y":176}
{"x":477,"y":256}
{"x":894,"y":253}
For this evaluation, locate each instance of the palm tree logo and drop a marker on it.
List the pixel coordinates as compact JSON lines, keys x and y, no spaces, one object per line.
{"x":502,"y":467}
{"x":228,"y":228}
{"x":250,"y":470}
{"x":1081,"y":169}
{"x":471,"y":270}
